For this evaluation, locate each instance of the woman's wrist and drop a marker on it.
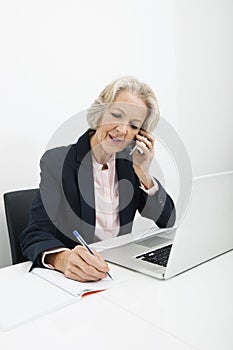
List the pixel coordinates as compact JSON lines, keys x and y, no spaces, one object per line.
{"x":57,"y":260}
{"x":146,"y":180}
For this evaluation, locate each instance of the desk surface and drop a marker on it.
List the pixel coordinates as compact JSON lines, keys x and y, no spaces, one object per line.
{"x":191,"y":311}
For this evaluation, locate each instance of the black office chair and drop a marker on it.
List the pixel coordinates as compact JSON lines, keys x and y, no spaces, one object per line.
{"x":17,"y":208}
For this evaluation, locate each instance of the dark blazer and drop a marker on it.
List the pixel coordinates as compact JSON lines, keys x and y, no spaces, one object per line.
{"x":65,"y":200}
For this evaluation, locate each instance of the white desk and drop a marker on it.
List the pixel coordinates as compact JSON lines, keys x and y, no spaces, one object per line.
{"x":196,"y":306}
{"x":191,"y":311}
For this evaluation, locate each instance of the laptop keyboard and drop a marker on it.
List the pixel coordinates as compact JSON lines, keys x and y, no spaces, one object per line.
{"x":159,"y":256}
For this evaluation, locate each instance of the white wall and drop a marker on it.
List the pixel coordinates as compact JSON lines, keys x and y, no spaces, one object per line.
{"x":57,"y":55}
{"x":204,"y":56}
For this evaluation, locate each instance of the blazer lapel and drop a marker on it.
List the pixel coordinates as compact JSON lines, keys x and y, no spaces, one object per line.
{"x":85,"y":181}
{"x":126,"y":187}
{"x":78,"y":187}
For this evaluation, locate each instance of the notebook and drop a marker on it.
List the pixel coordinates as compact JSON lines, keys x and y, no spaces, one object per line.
{"x":78,"y":289}
{"x":204,"y":233}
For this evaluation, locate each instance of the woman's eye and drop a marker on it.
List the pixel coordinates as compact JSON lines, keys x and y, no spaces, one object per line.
{"x":135,"y":127}
{"x":116,"y":115}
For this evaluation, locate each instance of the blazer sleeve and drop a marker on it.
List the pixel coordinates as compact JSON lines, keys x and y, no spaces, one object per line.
{"x":158,"y":207}
{"x":41,"y":234}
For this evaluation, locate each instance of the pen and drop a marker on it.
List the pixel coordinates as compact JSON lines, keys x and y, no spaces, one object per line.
{"x":84,"y":244}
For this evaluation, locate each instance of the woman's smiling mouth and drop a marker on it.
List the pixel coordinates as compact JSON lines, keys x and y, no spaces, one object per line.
{"x":115,"y":139}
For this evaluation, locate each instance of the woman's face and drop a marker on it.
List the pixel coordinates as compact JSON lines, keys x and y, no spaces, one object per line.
{"x":121,"y":123}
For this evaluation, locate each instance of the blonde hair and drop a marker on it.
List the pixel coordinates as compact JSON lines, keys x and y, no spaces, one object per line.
{"x":110,"y":93}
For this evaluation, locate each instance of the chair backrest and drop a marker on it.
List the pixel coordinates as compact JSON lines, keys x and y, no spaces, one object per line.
{"x":17,"y":209}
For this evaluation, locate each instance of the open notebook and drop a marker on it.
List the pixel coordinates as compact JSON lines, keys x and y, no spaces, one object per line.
{"x":25,"y":296}
{"x":75,"y":288}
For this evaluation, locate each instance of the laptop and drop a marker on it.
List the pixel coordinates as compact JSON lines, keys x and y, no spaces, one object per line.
{"x":205,"y":232}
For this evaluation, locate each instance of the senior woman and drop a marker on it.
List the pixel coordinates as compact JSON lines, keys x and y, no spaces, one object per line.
{"x":97,"y":185}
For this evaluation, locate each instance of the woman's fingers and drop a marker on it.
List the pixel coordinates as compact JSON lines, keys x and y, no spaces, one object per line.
{"x":95,"y":260}
{"x":83,"y":266}
{"x":146,"y":140}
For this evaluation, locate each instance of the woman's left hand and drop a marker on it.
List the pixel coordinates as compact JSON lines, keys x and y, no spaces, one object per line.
{"x":142,"y":162}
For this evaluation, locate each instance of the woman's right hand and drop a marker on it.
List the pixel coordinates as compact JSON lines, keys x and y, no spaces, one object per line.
{"x":78,"y":264}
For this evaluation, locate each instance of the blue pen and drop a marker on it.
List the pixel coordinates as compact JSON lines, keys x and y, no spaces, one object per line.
{"x":81,"y":240}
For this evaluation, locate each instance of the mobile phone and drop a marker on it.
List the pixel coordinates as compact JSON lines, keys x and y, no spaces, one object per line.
{"x":140,"y":151}
{"x":136,"y":147}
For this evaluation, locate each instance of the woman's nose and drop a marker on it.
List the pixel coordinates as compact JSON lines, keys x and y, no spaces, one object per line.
{"x":122,"y":128}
